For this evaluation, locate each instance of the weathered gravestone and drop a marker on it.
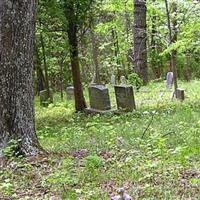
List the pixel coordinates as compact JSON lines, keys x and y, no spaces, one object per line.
{"x":180,"y":94}
{"x":44,"y":99}
{"x":99,"y":98}
{"x":123,"y":80}
{"x":170,"y":80}
{"x":70,"y":92}
{"x":125,"y":98}
{"x":122,"y":195}
{"x":112,"y":80}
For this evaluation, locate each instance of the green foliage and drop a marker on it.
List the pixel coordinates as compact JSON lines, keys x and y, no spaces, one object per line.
{"x":115,"y":50}
{"x":91,"y":156}
{"x":65,"y":175}
{"x":93,"y":162}
{"x":12,"y":149}
{"x":7,"y":187}
{"x":135,"y":80}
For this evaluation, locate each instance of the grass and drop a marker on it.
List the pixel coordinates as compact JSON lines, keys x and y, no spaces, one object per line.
{"x":91,"y":156}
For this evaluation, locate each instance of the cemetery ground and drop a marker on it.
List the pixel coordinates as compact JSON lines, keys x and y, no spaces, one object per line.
{"x":154,"y":152}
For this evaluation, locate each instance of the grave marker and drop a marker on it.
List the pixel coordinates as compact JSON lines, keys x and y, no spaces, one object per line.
{"x":180,"y":94}
{"x":99,"y":98}
{"x":113,"y":81}
{"x":170,"y":80}
{"x":44,"y":100}
{"x":123,"y":80}
{"x":70,"y":92}
{"x":125,"y":98}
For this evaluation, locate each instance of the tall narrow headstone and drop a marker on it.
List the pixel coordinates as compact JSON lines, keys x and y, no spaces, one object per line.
{"x":44,"y":99}
{"x":113,"y":81}
{"x":70,"y":92}
{"x":125,"y":97}
{"x":99,"y":98}
{"x":170,"y":80}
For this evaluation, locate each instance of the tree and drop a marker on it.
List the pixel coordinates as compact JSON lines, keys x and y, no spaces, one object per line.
{"x":17,"y":123}
{"x":140,"y":39}
{"x":172,"y":39}
{"x":44,"y":61}
{"x":39,"y":73}
{"x":114,"y":37}
{"x":72,"y":31}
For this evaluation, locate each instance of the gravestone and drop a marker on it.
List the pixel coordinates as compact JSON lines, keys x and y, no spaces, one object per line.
{"x":123,"y":80}
{"x":113,"y":81}
{"x":99,"y":98}
{"x":170,"y":80}
{"x":180,"y":94}
{"x":122,"y":195}
{"x":44,"y":100}
{"x":125,"y":97}
{"x":70,"y":92}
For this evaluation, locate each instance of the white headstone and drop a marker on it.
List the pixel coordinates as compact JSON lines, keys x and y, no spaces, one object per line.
{"x":170,"y":79}
{"x":123,"y":80}
{"x":70,"y":92}
{"x":112,"y":80}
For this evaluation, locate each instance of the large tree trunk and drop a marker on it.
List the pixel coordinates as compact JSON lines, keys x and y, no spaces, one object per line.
{"x":71,"y":17}
{"x":17,"y":33}
{"x":140,"y":39}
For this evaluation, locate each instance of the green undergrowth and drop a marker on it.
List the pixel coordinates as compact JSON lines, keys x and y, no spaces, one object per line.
{"x":154,"y":152}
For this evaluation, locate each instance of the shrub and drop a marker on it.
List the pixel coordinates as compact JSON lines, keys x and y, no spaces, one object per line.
{"x":135,"y":80}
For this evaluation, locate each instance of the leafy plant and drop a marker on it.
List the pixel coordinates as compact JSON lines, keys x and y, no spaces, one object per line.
{"x":93,"y":162}
{"x":135,"y":80}
{"x":12,"y":148}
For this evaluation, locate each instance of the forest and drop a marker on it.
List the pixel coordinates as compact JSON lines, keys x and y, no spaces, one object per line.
{"x":100,"y":99}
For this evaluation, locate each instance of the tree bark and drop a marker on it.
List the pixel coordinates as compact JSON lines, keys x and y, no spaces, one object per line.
{"x":17,"y":33}
{"x":140,"y":40}
{"x":72,"y":30}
